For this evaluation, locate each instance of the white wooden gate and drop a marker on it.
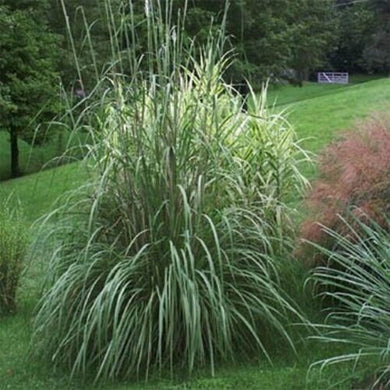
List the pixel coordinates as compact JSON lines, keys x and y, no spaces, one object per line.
{"x":333,"y":77}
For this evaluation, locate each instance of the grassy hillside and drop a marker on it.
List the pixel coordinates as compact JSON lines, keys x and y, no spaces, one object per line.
{"x":36,"y":193}
{"x":319,"y":113}
{"x":289,"y":94}
{"x":33,"y":158}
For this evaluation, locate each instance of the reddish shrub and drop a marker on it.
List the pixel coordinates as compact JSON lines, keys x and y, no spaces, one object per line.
{"x":354,"y":177}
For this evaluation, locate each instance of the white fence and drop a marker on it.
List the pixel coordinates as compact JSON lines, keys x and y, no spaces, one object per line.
{"x":333,"y":77}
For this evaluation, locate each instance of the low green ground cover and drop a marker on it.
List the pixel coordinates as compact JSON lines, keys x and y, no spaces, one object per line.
{"x":320,"y":117}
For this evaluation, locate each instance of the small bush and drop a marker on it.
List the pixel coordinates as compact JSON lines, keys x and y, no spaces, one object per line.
{"x":13,"y":244}
{"x":354,"y":176}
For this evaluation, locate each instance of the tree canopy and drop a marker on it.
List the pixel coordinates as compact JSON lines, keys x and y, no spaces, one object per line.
{"x":28,"y":78}
{"x":363,"y":39}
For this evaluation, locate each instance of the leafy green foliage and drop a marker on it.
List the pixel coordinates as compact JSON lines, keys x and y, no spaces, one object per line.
{"x":363,"y":36}
{"x":273,"y":36}
{"x":13,"y":245}
{"x":268,"y":36}
{"x":313,"y":36}
{"x":27,"y":72}
{"x":85,"y":48}
{"x":355,"y":29}
{"x":376,"y":53}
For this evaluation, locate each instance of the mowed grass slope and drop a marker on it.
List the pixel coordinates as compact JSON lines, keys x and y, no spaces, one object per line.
{"x":30,"y":158}
{"x":36,"y":193}
{"x":321,"y":117}
{"x":34,"y":157}
{"x":320,"y":112}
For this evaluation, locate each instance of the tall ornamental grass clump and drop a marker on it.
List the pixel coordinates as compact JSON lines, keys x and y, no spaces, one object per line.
{"x":13,"y":246}
{"x":358,"y":283}
{"x":168,"y":258}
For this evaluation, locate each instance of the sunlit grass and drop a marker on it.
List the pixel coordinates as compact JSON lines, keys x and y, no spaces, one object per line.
{"x":318,"y":119}
{"x":36,"y":193}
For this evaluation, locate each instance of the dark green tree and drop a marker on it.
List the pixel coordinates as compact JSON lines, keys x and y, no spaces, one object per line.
{"x":313,"y":29}
{"x":91,"y":37}
{"x":271,"y":36}
{"x":260,"y":31}
{"x":377,"y":52}
{"x":364,"y":36}
{"x":28,"y":78}
{"x":356,"y":24}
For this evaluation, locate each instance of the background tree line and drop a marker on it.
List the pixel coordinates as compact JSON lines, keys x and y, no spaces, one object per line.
{"x":272,"y":38}
{"x":41,"y":49}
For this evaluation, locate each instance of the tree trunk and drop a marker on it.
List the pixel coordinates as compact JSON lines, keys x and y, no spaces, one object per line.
{"x":306,"y":74}
{"x":300,"y":78}
{"x":15,"y":168}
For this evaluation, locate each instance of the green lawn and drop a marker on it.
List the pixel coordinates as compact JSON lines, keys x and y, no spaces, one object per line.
{"x":319,"y":113}
{"x":18,"y":371}
{"x":36,"y":193}
{"x":33,"y":158}
{"x":280,"y":95}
